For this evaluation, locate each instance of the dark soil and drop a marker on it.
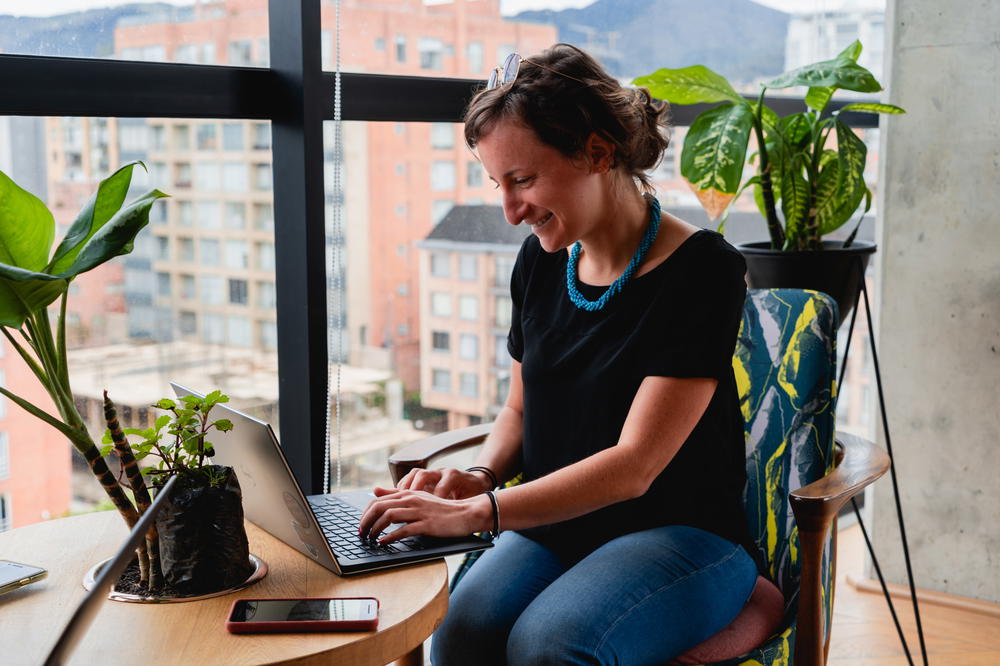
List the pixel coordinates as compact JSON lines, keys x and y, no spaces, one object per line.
{"x":129,"y":584}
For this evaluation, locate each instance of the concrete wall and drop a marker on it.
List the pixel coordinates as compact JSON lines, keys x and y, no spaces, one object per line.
{"x":939,"y":328}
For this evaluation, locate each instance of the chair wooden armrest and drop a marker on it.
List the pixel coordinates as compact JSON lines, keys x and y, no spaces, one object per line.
{"x":815,"y":507}
{"x":419,"y":454}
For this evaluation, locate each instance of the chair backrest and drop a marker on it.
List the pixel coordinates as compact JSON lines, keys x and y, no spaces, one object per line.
{"x":785,"y":365}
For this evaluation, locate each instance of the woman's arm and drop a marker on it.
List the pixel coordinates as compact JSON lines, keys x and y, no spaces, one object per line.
{"x":663,"y":413}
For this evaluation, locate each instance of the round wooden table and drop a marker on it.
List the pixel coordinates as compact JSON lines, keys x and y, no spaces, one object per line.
{"x":413,"y":600}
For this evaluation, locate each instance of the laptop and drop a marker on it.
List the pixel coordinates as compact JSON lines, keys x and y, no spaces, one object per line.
{"x":88,"y":608}
{"x":322,"y":527}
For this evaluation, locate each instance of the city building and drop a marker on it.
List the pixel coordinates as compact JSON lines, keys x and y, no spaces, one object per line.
{"x":821,"y":34}
{"x":465,"y":268}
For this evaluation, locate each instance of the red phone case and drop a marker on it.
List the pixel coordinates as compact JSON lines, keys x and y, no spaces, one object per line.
{"x":295,"y":626}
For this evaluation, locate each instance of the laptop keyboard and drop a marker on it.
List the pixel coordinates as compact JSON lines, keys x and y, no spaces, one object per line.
{"x":339,"y":522}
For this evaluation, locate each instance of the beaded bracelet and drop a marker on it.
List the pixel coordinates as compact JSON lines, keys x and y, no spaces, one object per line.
{"x":496,"y":514}
{"x":488,"y":472}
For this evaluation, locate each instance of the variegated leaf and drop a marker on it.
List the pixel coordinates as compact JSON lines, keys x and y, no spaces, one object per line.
{"x":819,"y":96}
{"x":840,"y":72}
{"x":794,"y":200}
{"x":714,"y":150}
{"x":853,"y":154}
{"x":689,"y":85}
{"x":829,"y":197}
{"x":872,"y":107}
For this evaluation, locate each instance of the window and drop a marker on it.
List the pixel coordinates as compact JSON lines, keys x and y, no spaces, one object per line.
{"x":208,"y":176}
{"x":440,"y":304}
{"x":207,"y":139}
{"x":210,"y":251}
{"x":240,"y":52}
{"x":232,"y":136}
{"x":188,"y":287}
{"x":501,"y":358}
{"x":442,"y":176}
{"x":211,"y":290}
{"x":400,"y":48}
{"x":4,"y":456}
{"x":440,"y":208}
{"x":440,"y":380}
{"x":442,"y":136}
{"x":5,"y":518}
{"x":261,"y":136}
{"x":474,"y":54}
{"x":380,"y":43}
{"x":237,"y":254}
{"x":431,"y":53}
{"x":265,"y":295}
{"x":239,"y":331}
{"x":263,"y":217}
{"x":187,"y":53}
{"x":502,"y":388}
{"x":468,"y":267}
{"x":268,"y":334}
{"x":468,"y":308}
{"x":162,"y":248}
{"x":163,"y":284}
{"x":503,"y":304}
{"x":504,"y":268}
{"x":474,"y":174}
{"x":262,"y":177}
{"x":468,"y":346}
{"x":265,"y":256}
{"x":468,"y":384}
{"x":182,"y":137}
{"x":440,"y":264}
{"x":182,"y":175}
{"x":185,"y":249}
{"x":207,"y":213}
{"x":440,"y":341}
{"x":157,"y":138}
{"x":238,"y":292}
{"x":236,"y":215}
{"x":185,"y":213}
{"x":188,"y":322}
{"x":213,"y":329}
{"x":234,"y":177}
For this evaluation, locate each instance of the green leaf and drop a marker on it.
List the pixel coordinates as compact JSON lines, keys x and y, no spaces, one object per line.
{"x":794,"y":199}
{"x":853,"y":155}
{"x":830,"y":196}
{"x":106,"y":438}
{"x":689,"y":85}
{"x":852,"y":52}
{"x":26,"y":227}
{"x":841,"y":72}
{"x":819,"y":96}
{"x":165,"y":403}
{"x":115,"y":237}
{"x":134,"y":431}
{"x":868,"y":206}
{"x":872,"y":107}
{"x":795,"y":130}
{"x":223,"y":425}
{"x":721,"y":227}
{"x":715,"y":147}
{"x":25,"y":291}
{"x":104,"y":203}
{"x":105,"y":450}
{"x":162,"y":421}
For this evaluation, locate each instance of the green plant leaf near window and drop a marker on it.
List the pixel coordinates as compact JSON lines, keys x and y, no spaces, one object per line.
{"x":803,"y":189}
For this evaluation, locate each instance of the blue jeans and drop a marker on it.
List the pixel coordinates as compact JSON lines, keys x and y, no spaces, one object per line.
{"x":642,"y":598}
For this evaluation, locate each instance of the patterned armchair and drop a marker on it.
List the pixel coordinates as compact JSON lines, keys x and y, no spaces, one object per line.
{"x":797,"y":479}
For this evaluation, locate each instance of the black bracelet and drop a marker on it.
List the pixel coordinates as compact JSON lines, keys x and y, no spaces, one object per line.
{"x":488,"y":472}
{"x":496,"y":514}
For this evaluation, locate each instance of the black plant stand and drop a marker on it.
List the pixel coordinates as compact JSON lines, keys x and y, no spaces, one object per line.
{"x":863,"y":291}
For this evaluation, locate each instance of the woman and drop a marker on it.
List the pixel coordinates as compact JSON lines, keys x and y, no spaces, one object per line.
{"x":622,"y":410}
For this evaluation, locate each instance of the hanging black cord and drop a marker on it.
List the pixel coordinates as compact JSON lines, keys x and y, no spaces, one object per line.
{"x":892,"y":472}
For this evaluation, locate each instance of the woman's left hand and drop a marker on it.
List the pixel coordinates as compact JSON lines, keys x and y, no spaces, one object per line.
{"x":421,"y":512}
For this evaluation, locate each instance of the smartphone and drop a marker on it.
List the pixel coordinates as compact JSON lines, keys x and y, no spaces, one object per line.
{"x":14,"y":575}
{"x":292,"y":615}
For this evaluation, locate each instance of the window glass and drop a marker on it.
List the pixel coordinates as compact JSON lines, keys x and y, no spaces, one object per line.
{"x":237,"y":254}
{"x":468,"y":267}
{"x":210,"y":251}
{"x":441,"y":341}
{"x":442,"y":176}
{"x":440,"y":304}
{"x":265,"y":295}
{"x":474,"y":174}
{"x":503,"y":311}
{"x":474,"y":54}
{"x":440,"y":264}
{"x":468,"y":307}
{"x":468,"y":384}
{"x":468,"y":346}
{"x":238,"y":292}
{"x":501,"y":357}
{"x":440,"y":208}
{"x":211,"y":290}
{"x":504,"y":264}
{"x":442,"y":135}
{"x":236,"y":215}
{"x":232,"y":136}
{"x":234,"y":177}
{"x":207,"y":136}
{"x":441,"y":380}
{"x":207,"y":212}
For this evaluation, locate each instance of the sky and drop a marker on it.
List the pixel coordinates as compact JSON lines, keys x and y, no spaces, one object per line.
{"x":50,"y":7}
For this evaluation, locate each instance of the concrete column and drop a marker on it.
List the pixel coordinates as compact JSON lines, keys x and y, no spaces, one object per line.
{"x":939,"y":277}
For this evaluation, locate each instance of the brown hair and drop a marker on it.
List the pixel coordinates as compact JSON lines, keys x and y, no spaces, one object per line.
{"x":564,"y":95}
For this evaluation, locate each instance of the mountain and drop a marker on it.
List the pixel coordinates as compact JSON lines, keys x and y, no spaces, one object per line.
{"x":739,"y":39}
{"x":86,"y":34}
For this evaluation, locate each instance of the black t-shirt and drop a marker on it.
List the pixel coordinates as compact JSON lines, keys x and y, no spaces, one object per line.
{"x":581,"y":371}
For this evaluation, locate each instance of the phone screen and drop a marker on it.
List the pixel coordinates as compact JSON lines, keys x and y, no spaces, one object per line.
{"x":304,"y":610}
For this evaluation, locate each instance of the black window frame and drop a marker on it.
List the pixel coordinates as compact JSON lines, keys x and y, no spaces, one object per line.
{"x":296,"y":96}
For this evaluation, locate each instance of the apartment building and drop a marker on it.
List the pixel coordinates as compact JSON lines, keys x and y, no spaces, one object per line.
{"x":212,"y":254}
{"x":465,"y":268}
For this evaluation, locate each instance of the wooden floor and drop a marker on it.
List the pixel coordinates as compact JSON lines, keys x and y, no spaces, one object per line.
{"x":864,"y":633}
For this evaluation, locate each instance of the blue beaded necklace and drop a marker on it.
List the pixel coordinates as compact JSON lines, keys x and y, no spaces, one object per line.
{"x":574,"y":256}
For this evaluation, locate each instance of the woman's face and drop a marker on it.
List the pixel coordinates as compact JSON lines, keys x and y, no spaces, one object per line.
{"x":558,"y":197}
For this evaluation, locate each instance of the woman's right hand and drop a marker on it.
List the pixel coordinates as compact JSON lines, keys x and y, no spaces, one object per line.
{"x":446,"y":482}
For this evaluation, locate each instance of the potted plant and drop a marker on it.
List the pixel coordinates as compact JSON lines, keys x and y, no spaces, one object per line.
{"x":803,"y":188}
{"x":199,"y":543}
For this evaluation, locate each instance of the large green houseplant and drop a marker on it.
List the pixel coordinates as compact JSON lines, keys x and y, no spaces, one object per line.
{"x":33,"y":278}
{"x":803,"y":188}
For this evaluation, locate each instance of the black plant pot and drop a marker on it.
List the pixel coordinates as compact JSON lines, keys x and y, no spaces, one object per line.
{"x":834,"y":270}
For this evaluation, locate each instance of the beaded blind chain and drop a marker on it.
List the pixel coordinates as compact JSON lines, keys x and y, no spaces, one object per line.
{"x":574,"y":256}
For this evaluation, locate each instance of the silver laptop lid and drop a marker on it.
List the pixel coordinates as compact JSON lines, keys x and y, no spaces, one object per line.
{"x":272,"y":498}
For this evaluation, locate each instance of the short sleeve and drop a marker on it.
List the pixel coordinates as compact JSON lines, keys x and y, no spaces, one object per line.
{"x":518,"y":283}
{"x":694,"y":334}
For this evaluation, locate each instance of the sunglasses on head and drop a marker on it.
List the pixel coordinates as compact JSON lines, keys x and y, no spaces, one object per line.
{"x":507,"y":72}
